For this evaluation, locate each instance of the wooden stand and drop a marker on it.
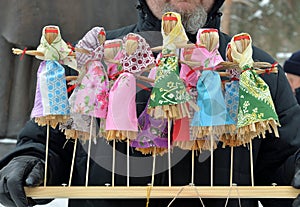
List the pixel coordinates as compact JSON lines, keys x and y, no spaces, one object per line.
{"x":138,"y":192}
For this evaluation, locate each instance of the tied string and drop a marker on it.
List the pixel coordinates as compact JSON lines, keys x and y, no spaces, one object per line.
{"x":115,"y":75}
{"x":71,"y":88}
{"x":23,"y":53}
{"x":199,"y":46}
{"x":157,"y":63}
{"x":273,"y":66}
{"x":234,"y":185}
{"x":71,"y":46}
{"x":180,"y":191}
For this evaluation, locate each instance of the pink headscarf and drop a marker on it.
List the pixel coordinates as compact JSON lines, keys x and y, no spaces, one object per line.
{"x":206,"y":57}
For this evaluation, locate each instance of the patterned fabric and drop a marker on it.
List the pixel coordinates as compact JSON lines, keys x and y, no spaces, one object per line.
{"x":58,"y":50}
{"x":79,"y":125}
{"x":90,"y":42}
{"x":168,"y":89}
{"x":255,"y":103}
{"x":140,"y":59}
{"x":211,"y":119}
{"x":51,"y":92}
{"x":256,"y":113}
{"x":232,"y":100}
{"x":91,"y":96}
{"x":152,"y":134}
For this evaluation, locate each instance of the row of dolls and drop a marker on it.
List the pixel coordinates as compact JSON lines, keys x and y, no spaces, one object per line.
{"x":187,"y":89}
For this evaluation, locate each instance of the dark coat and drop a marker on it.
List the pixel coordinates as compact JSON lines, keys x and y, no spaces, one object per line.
{"x":273,"y":157}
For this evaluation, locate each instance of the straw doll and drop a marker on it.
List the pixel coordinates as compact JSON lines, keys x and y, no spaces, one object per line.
{"x":90,"y":97}
{"x":189,"y":73}
{"x":169,"y":96}
{"x":51,"y":104}
{"x":112,"y":58}
{"x":121,"y":122}
{"x":256,"y":112}
{"x":210,"y":121}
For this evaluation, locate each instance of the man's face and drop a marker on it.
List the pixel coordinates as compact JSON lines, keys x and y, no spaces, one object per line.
{"x":183,"y":6}
{"x":193,"y":12}
{"x":294,"y":81}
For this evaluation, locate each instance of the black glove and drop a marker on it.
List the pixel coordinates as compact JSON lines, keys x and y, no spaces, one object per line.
{"x":296,"y":182}
{"x":19,"y":172}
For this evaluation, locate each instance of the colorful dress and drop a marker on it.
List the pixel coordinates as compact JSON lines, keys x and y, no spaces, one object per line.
{"x":121,"y":122}
{"x":210,"y":120}
{"x":51,"y":105}
{"x":169,"y":97}
{"x":90,"y":98}
{"x":152,"y":134}
{"x":256,"y":112}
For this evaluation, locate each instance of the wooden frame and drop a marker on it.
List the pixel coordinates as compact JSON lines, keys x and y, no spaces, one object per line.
{"x":139,"y":192}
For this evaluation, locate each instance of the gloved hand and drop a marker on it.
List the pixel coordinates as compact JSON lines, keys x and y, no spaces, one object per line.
{"x":19,"y":172}
{"x":296,"y":182}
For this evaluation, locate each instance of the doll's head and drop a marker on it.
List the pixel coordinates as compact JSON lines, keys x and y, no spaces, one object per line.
{"x":51,"y":34}
{"x":169,"y":22}
{"x":111,"y":48}
{"x":241,"y":50}
{"x":242,"y":42}
{"x":208,"y":38}
{"x":131,"y":43}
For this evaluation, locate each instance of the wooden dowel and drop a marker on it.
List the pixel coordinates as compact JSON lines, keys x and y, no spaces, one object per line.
{"x":89,"y":155}
{"x":113,"y":164}
{"x":231,"y":165}
{"x":251,"y":164}
{"x":135,"y":192}
{"x":211,"y":161}
{"x":193,"y":167}
{"x":47,"y":153}
{"x":128,"y":172}
{"x":73,"y":162}
{"x":169,"y":151}
{"x":153,"y":167}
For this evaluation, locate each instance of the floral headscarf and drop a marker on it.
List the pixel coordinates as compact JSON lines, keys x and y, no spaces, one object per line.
{"x":58,"y":50}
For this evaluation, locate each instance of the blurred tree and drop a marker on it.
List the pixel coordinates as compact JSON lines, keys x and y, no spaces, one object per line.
{"x":273,"y":25}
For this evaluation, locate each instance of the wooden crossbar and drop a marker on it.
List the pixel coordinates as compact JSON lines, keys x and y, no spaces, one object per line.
{"x":138,"y":192}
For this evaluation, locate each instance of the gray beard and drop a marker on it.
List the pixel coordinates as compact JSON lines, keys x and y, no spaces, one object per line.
{"x":191,"y":21}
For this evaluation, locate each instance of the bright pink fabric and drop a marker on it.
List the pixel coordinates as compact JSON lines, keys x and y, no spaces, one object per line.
{"x":122,"y":106}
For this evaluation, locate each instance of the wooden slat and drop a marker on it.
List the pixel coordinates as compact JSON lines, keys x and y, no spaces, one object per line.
{"x":136,"y":192}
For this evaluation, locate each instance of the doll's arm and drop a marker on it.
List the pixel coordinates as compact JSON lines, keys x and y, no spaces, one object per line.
{"x":17,"y":51}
